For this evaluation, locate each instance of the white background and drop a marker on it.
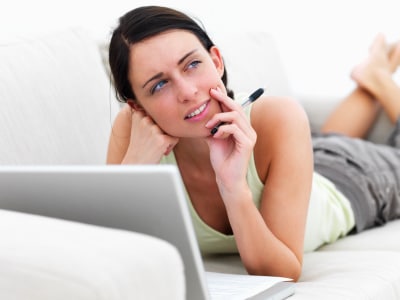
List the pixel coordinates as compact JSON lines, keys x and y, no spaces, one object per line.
{"x":319,"y":41}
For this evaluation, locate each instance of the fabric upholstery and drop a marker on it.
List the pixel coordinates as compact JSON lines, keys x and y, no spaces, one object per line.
{"x":56,"y":101}
{"x":45,"y":259}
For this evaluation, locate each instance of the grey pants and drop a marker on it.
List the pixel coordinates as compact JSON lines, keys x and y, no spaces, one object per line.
{"x":367,"y":174}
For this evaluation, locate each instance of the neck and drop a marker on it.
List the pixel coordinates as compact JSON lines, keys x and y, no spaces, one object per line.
{"x":193,"y":151}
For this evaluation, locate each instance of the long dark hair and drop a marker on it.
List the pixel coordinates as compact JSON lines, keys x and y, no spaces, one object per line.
{"x":141,"y":23}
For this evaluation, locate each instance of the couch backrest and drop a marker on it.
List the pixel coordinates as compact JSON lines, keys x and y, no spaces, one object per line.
{"x":252,"y":60}
{"x":56,"y":101}
{"x":57,"y":104}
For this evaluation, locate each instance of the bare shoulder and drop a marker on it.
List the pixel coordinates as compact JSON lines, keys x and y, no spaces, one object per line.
{"x":277,"y":113}
{"x":281,"y":125}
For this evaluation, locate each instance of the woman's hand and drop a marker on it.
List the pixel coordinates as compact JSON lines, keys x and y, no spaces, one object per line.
{"x":136,"y":139}
{"x":148,"y":143}
{"x":231,"y":146}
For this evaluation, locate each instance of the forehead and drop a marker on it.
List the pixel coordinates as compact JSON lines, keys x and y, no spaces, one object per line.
{"x":159,"y":51}
{"x":165,"y":40}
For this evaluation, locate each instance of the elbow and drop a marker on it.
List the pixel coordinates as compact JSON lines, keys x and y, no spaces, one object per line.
{"x":295,"y":275}
{"x":292,"y":271}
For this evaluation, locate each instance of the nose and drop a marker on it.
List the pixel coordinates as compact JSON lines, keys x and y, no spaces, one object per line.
{"x":186,"y":90}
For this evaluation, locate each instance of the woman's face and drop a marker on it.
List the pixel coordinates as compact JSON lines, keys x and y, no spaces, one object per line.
{"x":171,"y":75}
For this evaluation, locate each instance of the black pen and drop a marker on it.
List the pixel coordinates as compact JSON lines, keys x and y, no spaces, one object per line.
{"x":253,"y":97}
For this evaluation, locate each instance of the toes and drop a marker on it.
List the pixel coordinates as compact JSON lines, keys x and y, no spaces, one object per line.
{"x":394,"y":56}
{"x":378,"y":44}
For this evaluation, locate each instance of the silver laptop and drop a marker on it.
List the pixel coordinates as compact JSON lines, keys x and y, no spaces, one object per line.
{"x":142,"y":198}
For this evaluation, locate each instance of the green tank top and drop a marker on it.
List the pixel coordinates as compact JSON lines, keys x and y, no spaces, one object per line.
{"x":329,"y":215}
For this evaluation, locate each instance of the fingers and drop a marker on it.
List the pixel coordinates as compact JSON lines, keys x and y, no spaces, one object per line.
{"x":144,"y":123}
{"x":218,"y":95}
{"x":241,"y":136}
{"x":233,"y":122}
{"x":148,"y":140}
{"x":226,"y":119}
{"x":232,"y":112}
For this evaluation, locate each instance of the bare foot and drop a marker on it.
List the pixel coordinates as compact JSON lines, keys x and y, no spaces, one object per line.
{"x":376,"y":66}
{"x":394,"y":56}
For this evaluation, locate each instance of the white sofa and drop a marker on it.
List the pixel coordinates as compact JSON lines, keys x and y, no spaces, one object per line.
{"x":57,"y":106}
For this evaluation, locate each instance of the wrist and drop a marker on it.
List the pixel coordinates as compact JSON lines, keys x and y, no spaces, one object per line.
{"x":236,"y":194}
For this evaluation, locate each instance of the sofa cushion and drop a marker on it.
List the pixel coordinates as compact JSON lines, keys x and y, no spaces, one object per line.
{"x":349,"y":275}
{"x":56,"y":102}
{"x":335,"y":274}
{"x":43,"y":258}
{"x":384,"y":238}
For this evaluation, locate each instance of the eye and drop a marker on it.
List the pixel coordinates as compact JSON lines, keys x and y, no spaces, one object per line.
{"x":158,"y":86}
{"x":194,"y":64}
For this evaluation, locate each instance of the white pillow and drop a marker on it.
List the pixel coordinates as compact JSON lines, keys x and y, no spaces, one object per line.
{"x":57,"y":104}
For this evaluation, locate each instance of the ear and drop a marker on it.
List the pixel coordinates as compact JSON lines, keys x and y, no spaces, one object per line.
{"x":217,"y":59}
{"x":134,"y":105}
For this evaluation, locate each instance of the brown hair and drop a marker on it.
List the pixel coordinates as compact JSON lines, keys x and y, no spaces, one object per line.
{"x":139,"y":24}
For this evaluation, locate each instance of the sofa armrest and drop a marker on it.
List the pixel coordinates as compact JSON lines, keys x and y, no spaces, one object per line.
{"x":45,"y":258}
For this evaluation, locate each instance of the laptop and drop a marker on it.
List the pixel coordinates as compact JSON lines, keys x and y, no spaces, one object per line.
{"x":143,"y":198}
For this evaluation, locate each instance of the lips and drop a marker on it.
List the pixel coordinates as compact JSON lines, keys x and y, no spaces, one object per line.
{"x":196,"y":112}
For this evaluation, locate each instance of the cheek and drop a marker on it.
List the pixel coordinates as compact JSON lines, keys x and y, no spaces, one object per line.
{"x":211,"y":76}
{"x":162,"y":115}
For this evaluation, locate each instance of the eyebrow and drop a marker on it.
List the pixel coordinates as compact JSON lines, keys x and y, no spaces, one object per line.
{"x":159,"y":75}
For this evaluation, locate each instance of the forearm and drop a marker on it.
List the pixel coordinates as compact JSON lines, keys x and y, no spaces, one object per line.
{"x":131,"y":157}
{"x":121,"y":153}
{"x":262,"y":253}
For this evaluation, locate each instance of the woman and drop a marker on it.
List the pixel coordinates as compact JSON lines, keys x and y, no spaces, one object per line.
{"x":251,"y":186}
